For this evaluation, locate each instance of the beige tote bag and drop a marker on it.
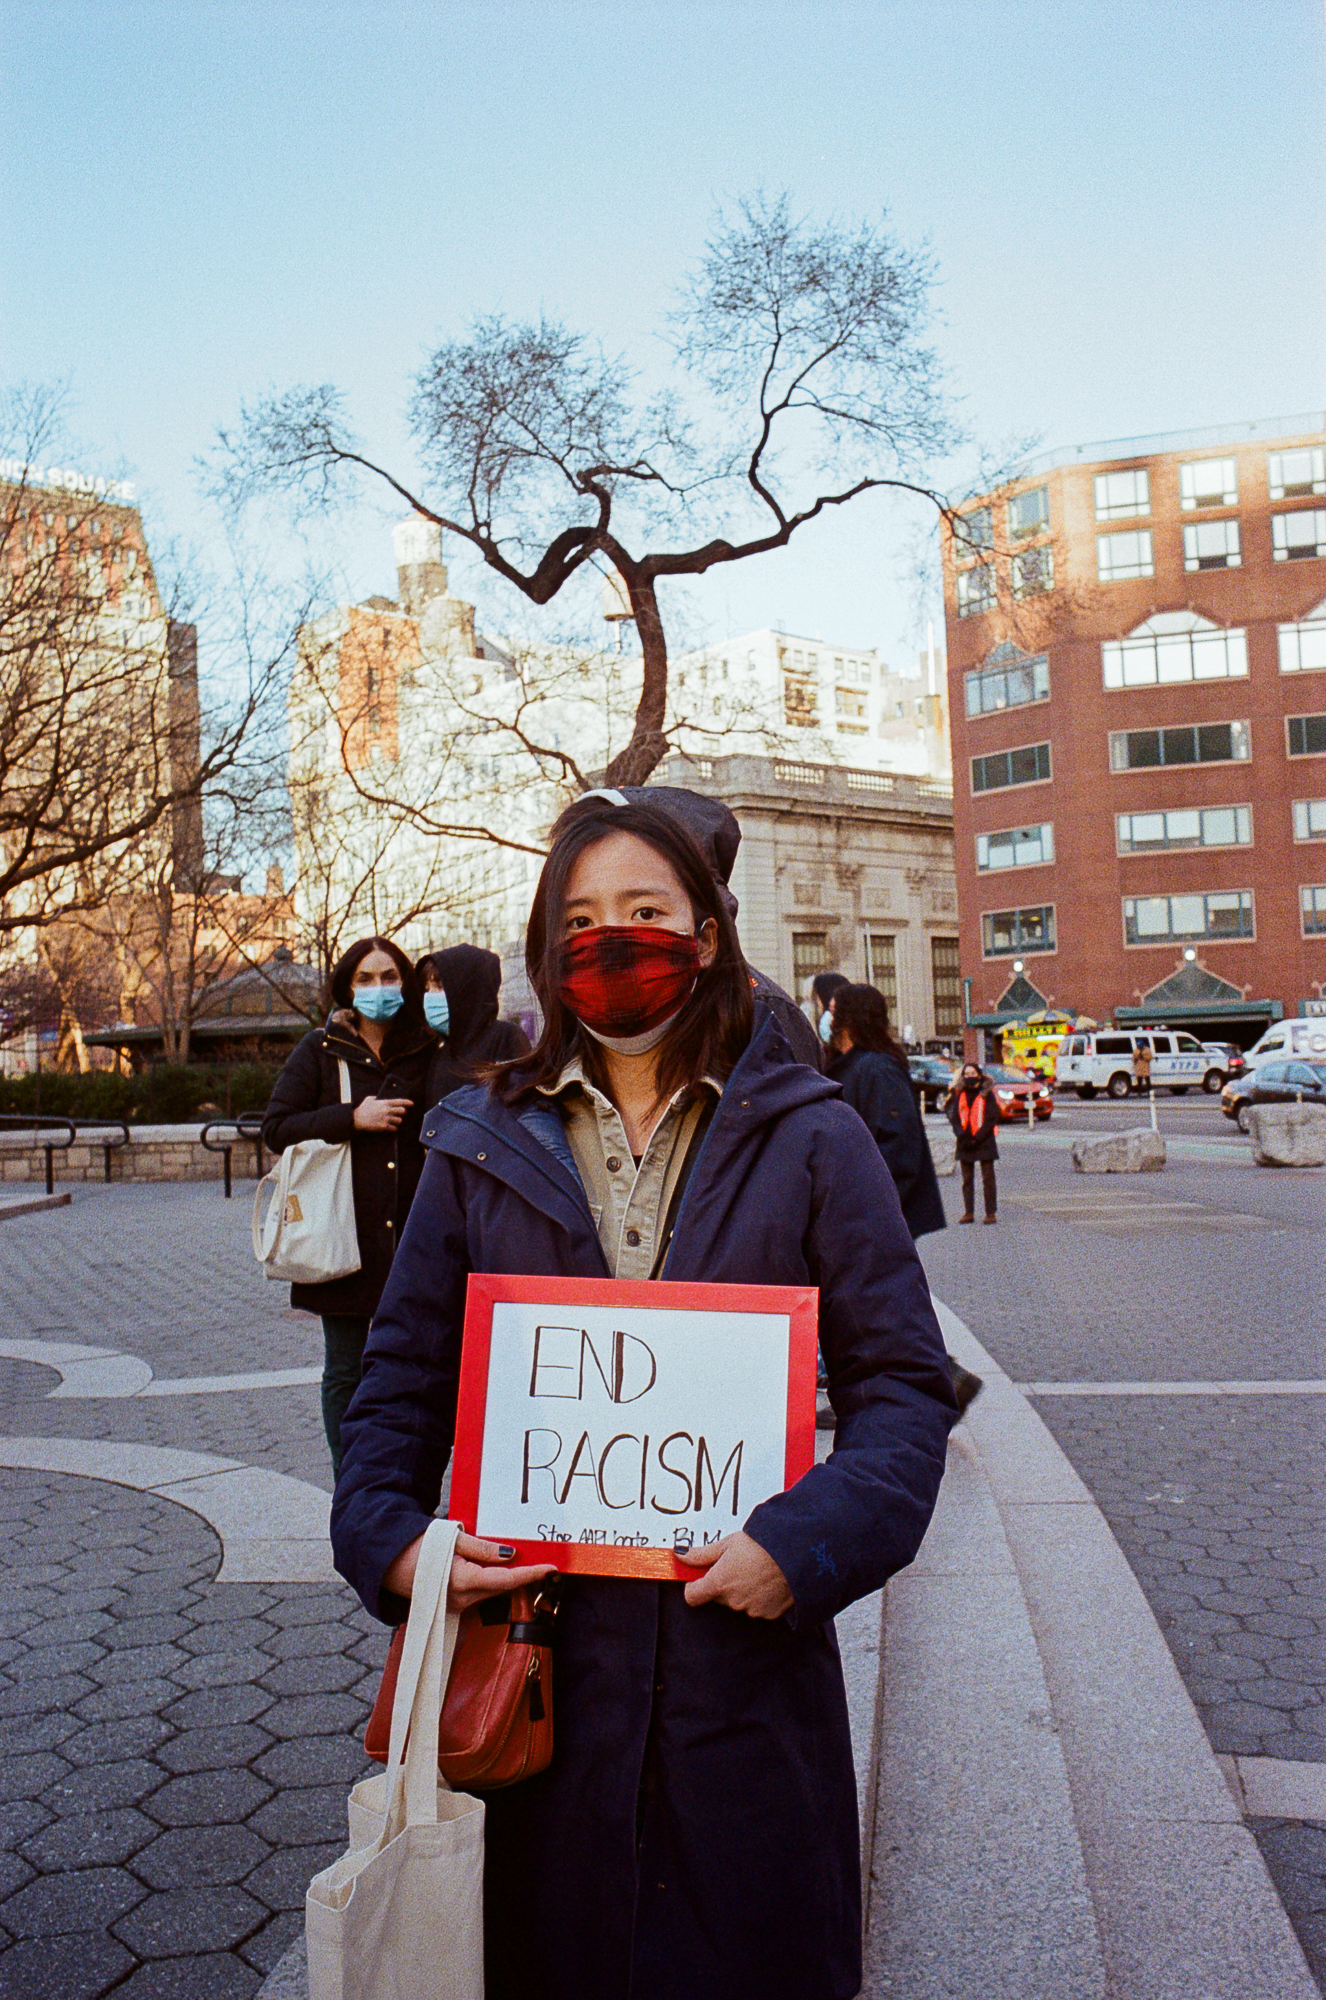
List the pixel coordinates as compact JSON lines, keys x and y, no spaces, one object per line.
{"x":304,"y":1211}
{"x":401,"y":1917}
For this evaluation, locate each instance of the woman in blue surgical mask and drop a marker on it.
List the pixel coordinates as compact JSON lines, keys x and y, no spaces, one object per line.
{"x":462,"y":988}
{"x":362,"y":1078}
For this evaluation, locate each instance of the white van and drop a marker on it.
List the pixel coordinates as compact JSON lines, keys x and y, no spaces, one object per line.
{"x":1303,"y":1038}
{"x":1104,"y":1061}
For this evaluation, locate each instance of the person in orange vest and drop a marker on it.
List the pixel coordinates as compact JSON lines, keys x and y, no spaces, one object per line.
{"x":973,"y":1114}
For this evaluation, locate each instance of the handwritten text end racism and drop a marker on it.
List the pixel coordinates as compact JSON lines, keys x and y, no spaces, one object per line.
{"x":564,"y":1359}
{"x":627,"y":1426}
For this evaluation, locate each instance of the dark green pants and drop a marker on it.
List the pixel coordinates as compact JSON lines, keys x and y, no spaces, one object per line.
{"x":344,"y":1334}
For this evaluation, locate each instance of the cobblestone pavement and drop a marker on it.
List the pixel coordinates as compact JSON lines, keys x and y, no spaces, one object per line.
{"x":174,"y":1753}
{"x":1216,"y":1501}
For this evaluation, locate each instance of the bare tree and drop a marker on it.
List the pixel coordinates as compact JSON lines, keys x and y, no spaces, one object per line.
{"x":804,"y":383}
{"x":100,"y":741}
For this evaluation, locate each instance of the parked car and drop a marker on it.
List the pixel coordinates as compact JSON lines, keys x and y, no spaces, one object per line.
{"x":1229,"y":1057}
{"x":932,"y":1077}
{"x":1234,"y":1092}
{"x":1091,"y":1062}
{"x":1012,"y":1088}
{"x":1275,"y":1083}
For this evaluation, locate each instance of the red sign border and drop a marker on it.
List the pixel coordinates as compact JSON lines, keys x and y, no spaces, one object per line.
{"x":485,"y":1290}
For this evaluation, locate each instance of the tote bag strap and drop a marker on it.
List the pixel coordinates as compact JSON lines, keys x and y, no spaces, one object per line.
{"x":430,"y":1644}
{"x":344,"y":1067}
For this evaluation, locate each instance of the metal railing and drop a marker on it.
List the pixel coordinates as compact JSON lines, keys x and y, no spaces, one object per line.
{"x":247,"y":1126}
{"x":72,"y":1130}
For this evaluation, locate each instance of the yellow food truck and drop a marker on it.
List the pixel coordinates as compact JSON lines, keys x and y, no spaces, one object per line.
{"x":1034,"y":1045}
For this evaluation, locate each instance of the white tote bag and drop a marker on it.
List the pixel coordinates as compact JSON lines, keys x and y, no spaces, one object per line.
{"x":401,"y":1917}
{"x":304,"y":1211}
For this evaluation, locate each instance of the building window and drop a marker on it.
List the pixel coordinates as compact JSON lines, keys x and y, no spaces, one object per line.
{"x":1296,"y":536}
{"x":973,"y":533}
{"x":1027,"y":766}
{"x":1007,"y":931}
{"x":1212,"y":545}
{"x":1171,"y":919}
{"x":1119,"y":494}
{"x":1310,"y":819}
{"x":1294,"y":475}
{"x":946,"y":983}
{"x":1203,"y":743}
{"x":1029,"y":512}
{"x":1303,"y":646}
{"x":801,"y":701}
{"x":882,"y":967}
{"x":1150,"y":659}
{"x":1205,"y":826}
{"x":1211,"y":482}
{"x":1120,"y":556}
{"x":1033,"y":571}
{"x":1312,"y":902}
{"x":810,"y":954}
{"x":851,"y":703}
{"x":1307,"y":735}
{"x":1015,"y":847}
{"x":1014,"y":686}
{"x":976,"y":590}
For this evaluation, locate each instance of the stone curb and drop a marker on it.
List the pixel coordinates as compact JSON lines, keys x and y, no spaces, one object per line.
{"x":31,"y":1204}
{"x":1183,"y":1906}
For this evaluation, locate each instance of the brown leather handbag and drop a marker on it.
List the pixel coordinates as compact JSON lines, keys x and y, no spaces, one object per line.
{"x":497,"y":1725}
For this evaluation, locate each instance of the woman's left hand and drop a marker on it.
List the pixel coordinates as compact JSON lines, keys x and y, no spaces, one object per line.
{"x":740,"y":1574}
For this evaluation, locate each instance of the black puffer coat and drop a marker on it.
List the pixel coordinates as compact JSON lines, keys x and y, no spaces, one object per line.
{"x":471,"y":979}
{"x":385,"y":1166}
{"x":880,"y":1092}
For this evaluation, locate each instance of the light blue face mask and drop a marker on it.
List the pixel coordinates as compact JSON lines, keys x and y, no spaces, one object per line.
{"x":437,"y":1012}
{"x":378,"y":1003}
{"x":826,"y":1027}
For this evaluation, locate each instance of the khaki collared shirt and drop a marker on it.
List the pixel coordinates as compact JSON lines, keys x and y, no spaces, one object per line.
{"x":629,"y":1203}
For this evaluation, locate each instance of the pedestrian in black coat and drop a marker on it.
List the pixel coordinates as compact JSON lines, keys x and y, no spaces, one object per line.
{"x":872,"y":1068}
{"x":973,"y":1112}
{"x":696,"y":1831}
{"x":377,"y":1030}
{"x":469,"y":981}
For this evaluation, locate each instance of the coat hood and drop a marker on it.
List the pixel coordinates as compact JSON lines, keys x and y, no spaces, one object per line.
{"x":471,"y":979}
{"x":712,"y":826}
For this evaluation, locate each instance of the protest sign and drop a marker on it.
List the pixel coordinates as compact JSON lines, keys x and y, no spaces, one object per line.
{"x":612,"y":1426}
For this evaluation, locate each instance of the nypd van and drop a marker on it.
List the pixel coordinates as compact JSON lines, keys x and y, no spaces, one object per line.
{"x":1089,"y":1063}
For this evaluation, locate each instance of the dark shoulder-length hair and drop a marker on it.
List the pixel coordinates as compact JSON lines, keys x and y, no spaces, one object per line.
{"x":864,"y":1012}
{"x":713,"y":1028}
{"x":407,"y":1026}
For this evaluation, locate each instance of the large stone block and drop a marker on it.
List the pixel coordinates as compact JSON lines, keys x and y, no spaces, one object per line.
{"x":1288,"y":1135}
{"x":1138,"y":1150}
{"x":943,"y":1151}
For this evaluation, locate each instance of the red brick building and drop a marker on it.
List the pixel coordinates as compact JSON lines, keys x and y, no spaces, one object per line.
{"x":1137,"y":683}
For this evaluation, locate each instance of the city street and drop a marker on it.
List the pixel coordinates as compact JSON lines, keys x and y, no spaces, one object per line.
{"x":178,"y":1746}
{"x":1198,"y":1279}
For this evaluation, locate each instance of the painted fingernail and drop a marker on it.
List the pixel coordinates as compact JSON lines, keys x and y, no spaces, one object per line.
{"x":506,"y":1548}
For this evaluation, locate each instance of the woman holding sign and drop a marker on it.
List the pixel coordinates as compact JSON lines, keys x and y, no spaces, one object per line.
{"x":696,"y":1831}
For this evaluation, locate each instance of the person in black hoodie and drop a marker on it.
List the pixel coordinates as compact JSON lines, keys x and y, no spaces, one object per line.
{"x":973,"y":1114}
{"x":460,"y":989}
{"x":377,"y":1030}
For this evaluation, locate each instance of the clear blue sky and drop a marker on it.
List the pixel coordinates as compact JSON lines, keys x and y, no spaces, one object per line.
{"x":202,"y":200}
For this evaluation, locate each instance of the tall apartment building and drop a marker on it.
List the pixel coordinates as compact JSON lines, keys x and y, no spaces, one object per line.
{"x":770,"y":691}
{"x":1137,"y":674}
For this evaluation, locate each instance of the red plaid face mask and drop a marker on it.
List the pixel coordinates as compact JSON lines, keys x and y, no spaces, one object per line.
{"x":622,"y":980}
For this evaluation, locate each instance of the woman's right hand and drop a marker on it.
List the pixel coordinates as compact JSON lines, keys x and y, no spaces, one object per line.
{"x":475,"y":1572}
{"x":380,"y":1114}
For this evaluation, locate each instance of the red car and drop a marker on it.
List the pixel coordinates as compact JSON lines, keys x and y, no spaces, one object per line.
{"x":1012,"y":1087}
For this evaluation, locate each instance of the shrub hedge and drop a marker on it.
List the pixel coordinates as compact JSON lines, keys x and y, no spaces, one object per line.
{"x":167,"y":1094}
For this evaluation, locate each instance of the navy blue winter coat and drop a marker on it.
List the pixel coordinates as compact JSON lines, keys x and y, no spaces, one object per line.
{"x":696,"y":1833}
{"x":881,"y":1093}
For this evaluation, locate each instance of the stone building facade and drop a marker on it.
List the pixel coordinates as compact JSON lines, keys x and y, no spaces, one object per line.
{"x":844,"y":870}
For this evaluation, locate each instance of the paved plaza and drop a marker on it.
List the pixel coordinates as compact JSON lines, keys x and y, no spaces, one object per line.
{"x":1205,"y":1276}
{"x":183,"y":1684}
